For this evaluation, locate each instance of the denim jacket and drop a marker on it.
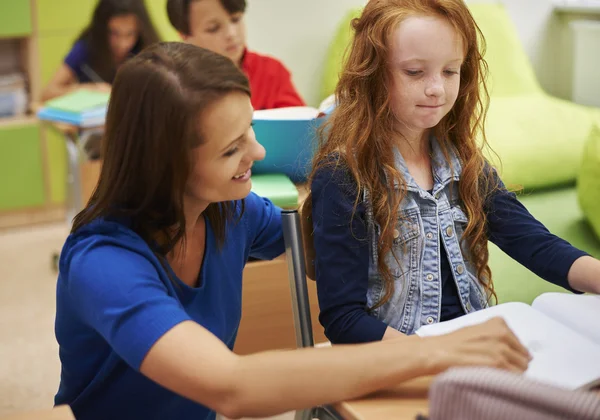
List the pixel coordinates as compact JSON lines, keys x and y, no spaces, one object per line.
{"x":425,"y":223}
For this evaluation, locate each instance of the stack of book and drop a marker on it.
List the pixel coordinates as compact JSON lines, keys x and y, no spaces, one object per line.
{"x":13,"y":95}
{"x":82,"y":108}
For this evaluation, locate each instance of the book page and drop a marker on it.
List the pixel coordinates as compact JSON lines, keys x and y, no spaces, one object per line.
{"x":293,"y":113}
{"x":578,"y":312}
{"x":561,"y":356}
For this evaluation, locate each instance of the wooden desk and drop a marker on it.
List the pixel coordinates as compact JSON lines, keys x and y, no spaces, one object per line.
{"x":267,"y":318}
{"x":82,"y":175}
{"x":403,"y":402}
{"x":62,"y":412}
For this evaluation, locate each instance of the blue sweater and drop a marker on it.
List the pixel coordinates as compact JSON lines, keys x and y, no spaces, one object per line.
{"x":115,"y":300}
{"x":342,"y":277}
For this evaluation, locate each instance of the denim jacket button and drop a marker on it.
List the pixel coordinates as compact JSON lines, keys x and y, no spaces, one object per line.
{"x":430,"y":320}
{"x":429,"y":277}
{"x":469,"y":307}
{"x":460,"y":269}
{"x":429,"y":235}
{"x":449,"y":231}
{"x":396,"y":234}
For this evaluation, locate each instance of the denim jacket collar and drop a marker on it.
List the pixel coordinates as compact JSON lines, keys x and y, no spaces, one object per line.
{"x":443,"y":173}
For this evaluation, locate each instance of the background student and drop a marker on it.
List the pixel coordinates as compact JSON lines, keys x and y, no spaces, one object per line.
{"x":119,"y":29}
{"x":218,"y":25}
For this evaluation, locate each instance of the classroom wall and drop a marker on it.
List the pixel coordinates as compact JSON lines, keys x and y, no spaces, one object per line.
{"x":543,"y":38}
{"x":298,"y":32}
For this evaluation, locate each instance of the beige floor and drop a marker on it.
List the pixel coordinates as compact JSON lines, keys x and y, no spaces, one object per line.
{"x":29,"y":365}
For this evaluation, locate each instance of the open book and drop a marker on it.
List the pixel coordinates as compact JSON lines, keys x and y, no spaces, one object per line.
{"x":562,"y":332}
{"x":289,"y":138}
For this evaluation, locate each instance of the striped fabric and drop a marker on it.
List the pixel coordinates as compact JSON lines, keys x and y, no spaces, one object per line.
{"x":490,"y":394}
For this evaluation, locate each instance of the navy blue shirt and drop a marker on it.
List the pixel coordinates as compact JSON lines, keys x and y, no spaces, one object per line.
{"x":78,"y":60}
{"x":115,"y":299}
{"x":343,"y":265}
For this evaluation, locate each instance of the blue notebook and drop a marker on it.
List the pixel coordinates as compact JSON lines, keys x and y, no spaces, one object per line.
{"x":289,"y":136}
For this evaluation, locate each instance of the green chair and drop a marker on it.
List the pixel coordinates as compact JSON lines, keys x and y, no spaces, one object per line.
{"x":538,"y":138}
{"x":588,"y":183}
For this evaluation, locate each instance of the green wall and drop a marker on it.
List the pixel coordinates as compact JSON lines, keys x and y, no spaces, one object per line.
{"x":21,"y":166}
{"x":15,"y":18}
{"x":59,"y":23}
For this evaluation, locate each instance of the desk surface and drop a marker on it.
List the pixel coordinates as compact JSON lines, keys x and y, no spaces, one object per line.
{"x":67,"y":128}
{"x":402,"y":402}
{"x":62,"y":412}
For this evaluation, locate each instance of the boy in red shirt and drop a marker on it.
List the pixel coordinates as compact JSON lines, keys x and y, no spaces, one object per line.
{"x":218,"y":25}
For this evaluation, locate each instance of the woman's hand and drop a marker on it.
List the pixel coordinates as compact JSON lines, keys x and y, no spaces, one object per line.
{"x":490,"y":344}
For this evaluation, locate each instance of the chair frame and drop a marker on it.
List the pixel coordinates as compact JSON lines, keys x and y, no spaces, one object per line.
{"x":294,"y":251}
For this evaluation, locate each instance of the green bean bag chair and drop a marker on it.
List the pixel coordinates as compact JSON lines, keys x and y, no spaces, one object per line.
{"x":588,"y":185}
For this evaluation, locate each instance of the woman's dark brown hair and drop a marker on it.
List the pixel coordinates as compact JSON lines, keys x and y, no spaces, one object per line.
{"x":97,"y":33}
{"x":152,"y":123}
{"x":179,"y":12}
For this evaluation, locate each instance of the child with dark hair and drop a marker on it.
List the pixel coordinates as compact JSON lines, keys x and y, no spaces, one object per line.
{"x":118,"y":30}
{"x":218,"y":25}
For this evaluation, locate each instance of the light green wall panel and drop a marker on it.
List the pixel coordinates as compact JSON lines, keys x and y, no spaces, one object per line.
{"x":57,"y":165}
{"x":21,"y":169}
{"x":158,"y":13}
{"x":15,"y":18}
{"x":53,"y":50}
{"x":63,"y":15}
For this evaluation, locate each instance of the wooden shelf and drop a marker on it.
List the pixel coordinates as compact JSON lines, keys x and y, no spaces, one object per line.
{"x":21,"y":120}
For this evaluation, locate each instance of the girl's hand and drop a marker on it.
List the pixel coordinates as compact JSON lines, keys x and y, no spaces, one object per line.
{"x":98,"y":87}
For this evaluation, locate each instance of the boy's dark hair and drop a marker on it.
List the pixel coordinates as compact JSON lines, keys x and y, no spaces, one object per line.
{"x":179,"y":12}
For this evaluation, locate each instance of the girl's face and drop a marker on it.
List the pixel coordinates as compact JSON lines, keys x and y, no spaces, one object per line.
{"x":213,"y":28}
{"x":123,"y":34}
{"x":222,"y":162}
{"x":425,"y":58}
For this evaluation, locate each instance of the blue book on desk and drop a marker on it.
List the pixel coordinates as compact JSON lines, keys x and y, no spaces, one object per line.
{"x":82,"y":108}
{"x":289,"y":136}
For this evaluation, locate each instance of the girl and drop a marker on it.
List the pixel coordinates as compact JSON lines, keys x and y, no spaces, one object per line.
{"x":218,"y":25}
{"x":403,"y":201}
{"x":149,"y":290}
{"x":118,"y":30}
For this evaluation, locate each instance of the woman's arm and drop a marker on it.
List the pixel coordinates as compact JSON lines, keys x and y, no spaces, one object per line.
{"x":190,"y":361}
{"x":130,"y":307}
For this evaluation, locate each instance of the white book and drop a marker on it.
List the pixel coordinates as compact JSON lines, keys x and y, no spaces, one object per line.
{"x":561,"y":331}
